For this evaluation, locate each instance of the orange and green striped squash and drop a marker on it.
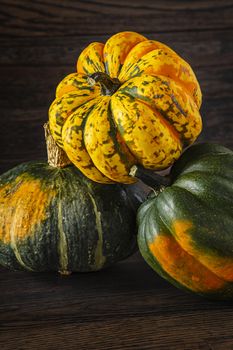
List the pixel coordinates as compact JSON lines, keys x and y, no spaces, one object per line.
{"x":56,"y":219}
{"x":131,"y":101}
{"x":185,"y":231}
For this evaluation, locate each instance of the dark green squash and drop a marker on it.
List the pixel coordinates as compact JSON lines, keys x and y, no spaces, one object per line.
{"x":185,"y":230}
{"x":53,"y":218}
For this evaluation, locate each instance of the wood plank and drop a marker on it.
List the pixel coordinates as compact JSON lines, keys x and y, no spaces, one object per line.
{"x":68,"y":18}
{"x":189,"y":331}
{"x":201,"y":49}
{"x":112,"y":302}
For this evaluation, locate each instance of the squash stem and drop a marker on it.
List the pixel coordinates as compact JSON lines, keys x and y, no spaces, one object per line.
{"x":108,"y":85}
{"x":150,"y":178}
{"x":57,"y":158}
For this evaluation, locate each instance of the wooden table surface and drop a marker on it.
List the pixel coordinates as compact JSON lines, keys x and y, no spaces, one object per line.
{"x":127,"y":306}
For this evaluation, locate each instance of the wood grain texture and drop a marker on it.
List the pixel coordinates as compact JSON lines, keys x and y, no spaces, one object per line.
{"x":126,"y":306}
{"x":91,"y":17}
{"x":123,"y":307}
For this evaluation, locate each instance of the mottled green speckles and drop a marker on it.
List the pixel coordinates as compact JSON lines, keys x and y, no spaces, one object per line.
{"x":165,"y":96}
{"x":73,"y":135}
{"x":91,"y":59}
{"x":144,"y":131}
{"x":116,"y":50}
{"x":68,"y":101}
{"x":105,"y":146}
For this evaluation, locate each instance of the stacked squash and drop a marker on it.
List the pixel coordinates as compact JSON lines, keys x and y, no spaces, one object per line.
{"x":130,"y":109}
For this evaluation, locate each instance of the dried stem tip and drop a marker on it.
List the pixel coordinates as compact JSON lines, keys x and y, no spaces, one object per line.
{"x":56,"y":156}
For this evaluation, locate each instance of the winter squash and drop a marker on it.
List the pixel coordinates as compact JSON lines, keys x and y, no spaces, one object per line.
{"x":53,"y":218}
{"x":185,"y":230}
{"x":131,"y":101}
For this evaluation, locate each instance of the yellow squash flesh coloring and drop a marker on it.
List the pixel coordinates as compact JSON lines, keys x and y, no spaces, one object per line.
{"x":131,"y":101}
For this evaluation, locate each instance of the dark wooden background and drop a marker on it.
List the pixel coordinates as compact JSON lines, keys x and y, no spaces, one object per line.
{"x":127,"y":306}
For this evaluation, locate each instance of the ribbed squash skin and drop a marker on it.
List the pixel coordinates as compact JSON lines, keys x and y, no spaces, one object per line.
{"x":147,"y":121}
{"x":185,"y":233}
{"x":56,"y":219}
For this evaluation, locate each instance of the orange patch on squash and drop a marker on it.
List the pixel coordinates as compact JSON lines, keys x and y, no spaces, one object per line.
{"x":65,"y":89}
{"x":22,"y":206}
{"x":182,"y":267}
{"x":221,"y":266}
{"x":181,"y":227}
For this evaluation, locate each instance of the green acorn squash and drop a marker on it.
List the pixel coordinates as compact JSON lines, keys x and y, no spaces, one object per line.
{"x":185,"y":230}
